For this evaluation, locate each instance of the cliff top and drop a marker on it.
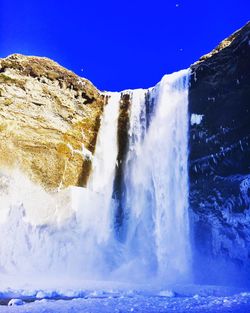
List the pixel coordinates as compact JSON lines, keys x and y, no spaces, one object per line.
{"x":44,"y":67}
{"x":49,"y":118}
{"x":240,"y":35}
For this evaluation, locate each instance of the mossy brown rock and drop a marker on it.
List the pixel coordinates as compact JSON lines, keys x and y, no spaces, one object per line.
{"x":49,"y":119}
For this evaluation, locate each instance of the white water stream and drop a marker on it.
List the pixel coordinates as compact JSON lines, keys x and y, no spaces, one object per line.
{"x":71,"y":235}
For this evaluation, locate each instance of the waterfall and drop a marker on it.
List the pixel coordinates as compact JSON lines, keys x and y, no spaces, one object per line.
{"x":153,"y":206}
{"x":104,"y":163}
{"x":156,"y":182}
{"x":75,"y":231}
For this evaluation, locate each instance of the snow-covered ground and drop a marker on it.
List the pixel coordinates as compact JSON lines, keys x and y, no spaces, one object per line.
{"x":208,"y":299}
{"x":137,"y":303}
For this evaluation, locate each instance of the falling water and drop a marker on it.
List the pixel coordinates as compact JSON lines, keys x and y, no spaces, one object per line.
{"x":156,"y":182}
{"x":154,"y":217}
{"x":103,"y":165}
{"x":167,"y":146}
{"x":75,"y":232}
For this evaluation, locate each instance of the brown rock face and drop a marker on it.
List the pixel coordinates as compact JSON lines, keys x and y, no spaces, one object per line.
{"x":49,"y":119}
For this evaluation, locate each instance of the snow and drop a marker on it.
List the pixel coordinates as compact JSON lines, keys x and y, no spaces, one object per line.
{"x":85,"y":153}
{"x":196,"y":119}
{"x":137,"y":302}
{"x":15,"y":302}
{"x":167,"y":293}
{"x":49,"y":233}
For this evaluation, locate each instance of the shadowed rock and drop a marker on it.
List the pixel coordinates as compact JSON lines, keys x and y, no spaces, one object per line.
{"x":219,"y":105}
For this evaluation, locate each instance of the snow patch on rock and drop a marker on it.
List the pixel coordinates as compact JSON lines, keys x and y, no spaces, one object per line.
{"x":196,"y":119}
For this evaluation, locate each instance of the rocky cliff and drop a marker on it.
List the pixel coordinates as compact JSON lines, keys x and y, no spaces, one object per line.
{"x":219,"y":105}
{"x":49,"y":119}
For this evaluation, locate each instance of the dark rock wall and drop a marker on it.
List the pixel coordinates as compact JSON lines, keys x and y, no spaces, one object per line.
{"x":119,"y":190}
{"x":219,"y":161}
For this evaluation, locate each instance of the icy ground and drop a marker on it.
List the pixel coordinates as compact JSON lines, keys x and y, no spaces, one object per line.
{"x":207,"y":300}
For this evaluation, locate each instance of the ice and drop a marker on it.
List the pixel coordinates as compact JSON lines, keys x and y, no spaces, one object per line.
{"x":13,"y":302}
{"x":42,"y":294}
{"x":167,"y":293}
{"x":139,"y":303}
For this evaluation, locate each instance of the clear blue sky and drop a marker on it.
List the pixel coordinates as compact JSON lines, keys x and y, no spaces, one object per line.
{"x":119,"y":44}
